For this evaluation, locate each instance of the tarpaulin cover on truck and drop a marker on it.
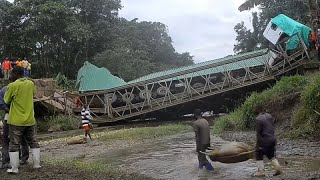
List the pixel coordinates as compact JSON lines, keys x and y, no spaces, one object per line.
{"x":291,"y":27}
{"x":91,"y":78}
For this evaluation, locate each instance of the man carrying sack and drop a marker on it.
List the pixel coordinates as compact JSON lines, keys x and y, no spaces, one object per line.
{"x":266,"y":142}
{"x":202,"y":132}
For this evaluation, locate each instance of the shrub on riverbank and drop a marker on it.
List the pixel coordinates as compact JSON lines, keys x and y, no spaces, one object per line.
{"x":306,"y":121}
{"x":58,"y":123}
{"x":243,"y":118}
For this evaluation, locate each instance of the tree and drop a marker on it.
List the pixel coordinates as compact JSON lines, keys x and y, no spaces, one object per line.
{"x":141,"y":48}
{"x":295,"y":9}
{"x":245,"y":41}
{"x":249,"y":4}
{"x":313,"y":7}
{"x":60,"y":35}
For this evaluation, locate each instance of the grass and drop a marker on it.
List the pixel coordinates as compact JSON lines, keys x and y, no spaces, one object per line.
{"x":94,"y":169}
{"x":132,"y":135}
{"x":58,"y":123}
{"x":306,"y":120}
{"x":144,"y":132}
{"x":243,"y":118}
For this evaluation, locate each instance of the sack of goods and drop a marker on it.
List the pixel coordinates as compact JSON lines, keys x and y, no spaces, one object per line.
{"x":76,"y":140}
{"x":233,"y":152}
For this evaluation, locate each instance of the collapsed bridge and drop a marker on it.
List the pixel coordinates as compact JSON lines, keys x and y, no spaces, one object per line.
{"x":211,"y":83}
{"x":176,"y":87}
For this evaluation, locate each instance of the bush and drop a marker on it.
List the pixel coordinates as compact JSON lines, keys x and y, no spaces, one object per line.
{"x":243,"y":118}
{"x":306,"y":120}
{"x":43,"y":125}
{"x":227,"y":123}
{"x":63,"y":122}
{"x":289,"y":85}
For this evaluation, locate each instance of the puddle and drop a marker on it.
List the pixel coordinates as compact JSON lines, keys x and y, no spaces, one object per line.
{"x":175,"y":158}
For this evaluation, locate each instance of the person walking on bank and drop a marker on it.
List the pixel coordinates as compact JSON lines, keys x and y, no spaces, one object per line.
{"x":86,"y":121}
{"x":21,"y":120}
{"x":202,"y":132}
{"x":5,"y":137}
{"x":266,"y":142}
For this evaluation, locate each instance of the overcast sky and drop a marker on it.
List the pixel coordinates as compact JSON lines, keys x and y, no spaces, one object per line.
{"x":202,"y":27}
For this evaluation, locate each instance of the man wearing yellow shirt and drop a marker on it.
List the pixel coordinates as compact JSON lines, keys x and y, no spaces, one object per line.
{"x":19,"y":63}
{"x":21,"y":121}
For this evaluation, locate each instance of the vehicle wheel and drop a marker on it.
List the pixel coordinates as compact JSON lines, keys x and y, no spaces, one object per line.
{"x":162,"y":91}
{"x":197,"y":85}
{"x":112,"y":97}
{"x":127,"y":97}
{"x":144,"y":93}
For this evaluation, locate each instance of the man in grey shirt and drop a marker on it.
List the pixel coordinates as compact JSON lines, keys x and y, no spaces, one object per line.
{"x":266,"y":141}
{"x":202,"y":132}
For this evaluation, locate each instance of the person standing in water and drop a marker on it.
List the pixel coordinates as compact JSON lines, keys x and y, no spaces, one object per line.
{"x":266,"y":142}
{"x":202,"y":134}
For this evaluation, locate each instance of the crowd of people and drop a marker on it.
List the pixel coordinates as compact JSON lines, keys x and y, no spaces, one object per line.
{"x":19,"y":130}
{"x":7,"y":65}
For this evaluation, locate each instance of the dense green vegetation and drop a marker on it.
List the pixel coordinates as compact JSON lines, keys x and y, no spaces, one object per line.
{"x":60,"y":35}
{"x":58,"y":123}
{"x":307,"y":118}
{"x":305,"y":121}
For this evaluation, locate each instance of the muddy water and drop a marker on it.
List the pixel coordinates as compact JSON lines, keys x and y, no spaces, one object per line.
{"x":175,"y":158}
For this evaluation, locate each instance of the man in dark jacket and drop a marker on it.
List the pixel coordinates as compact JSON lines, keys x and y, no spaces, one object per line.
{"x":202,"y":132}
{"x":266,"y":141}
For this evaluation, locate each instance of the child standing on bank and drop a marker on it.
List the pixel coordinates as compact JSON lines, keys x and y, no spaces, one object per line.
{"x":86,"y":119}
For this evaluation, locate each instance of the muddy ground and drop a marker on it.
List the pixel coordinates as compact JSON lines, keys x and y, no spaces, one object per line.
{"x":172,"y":157}
{"x":63,"y":173}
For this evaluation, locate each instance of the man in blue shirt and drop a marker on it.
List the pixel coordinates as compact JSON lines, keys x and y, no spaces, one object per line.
{"x":5,"y":137}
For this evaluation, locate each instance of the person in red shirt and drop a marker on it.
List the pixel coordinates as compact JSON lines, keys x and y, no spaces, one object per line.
{"x":6,"y":67}
{"x":313,"y":39}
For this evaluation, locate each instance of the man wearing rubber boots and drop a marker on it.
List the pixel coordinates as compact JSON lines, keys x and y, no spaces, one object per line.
{"x":5,"y":137}
{"x":21,"y":120}
{"x":202,"y":132}
{"x":266,"y":142}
